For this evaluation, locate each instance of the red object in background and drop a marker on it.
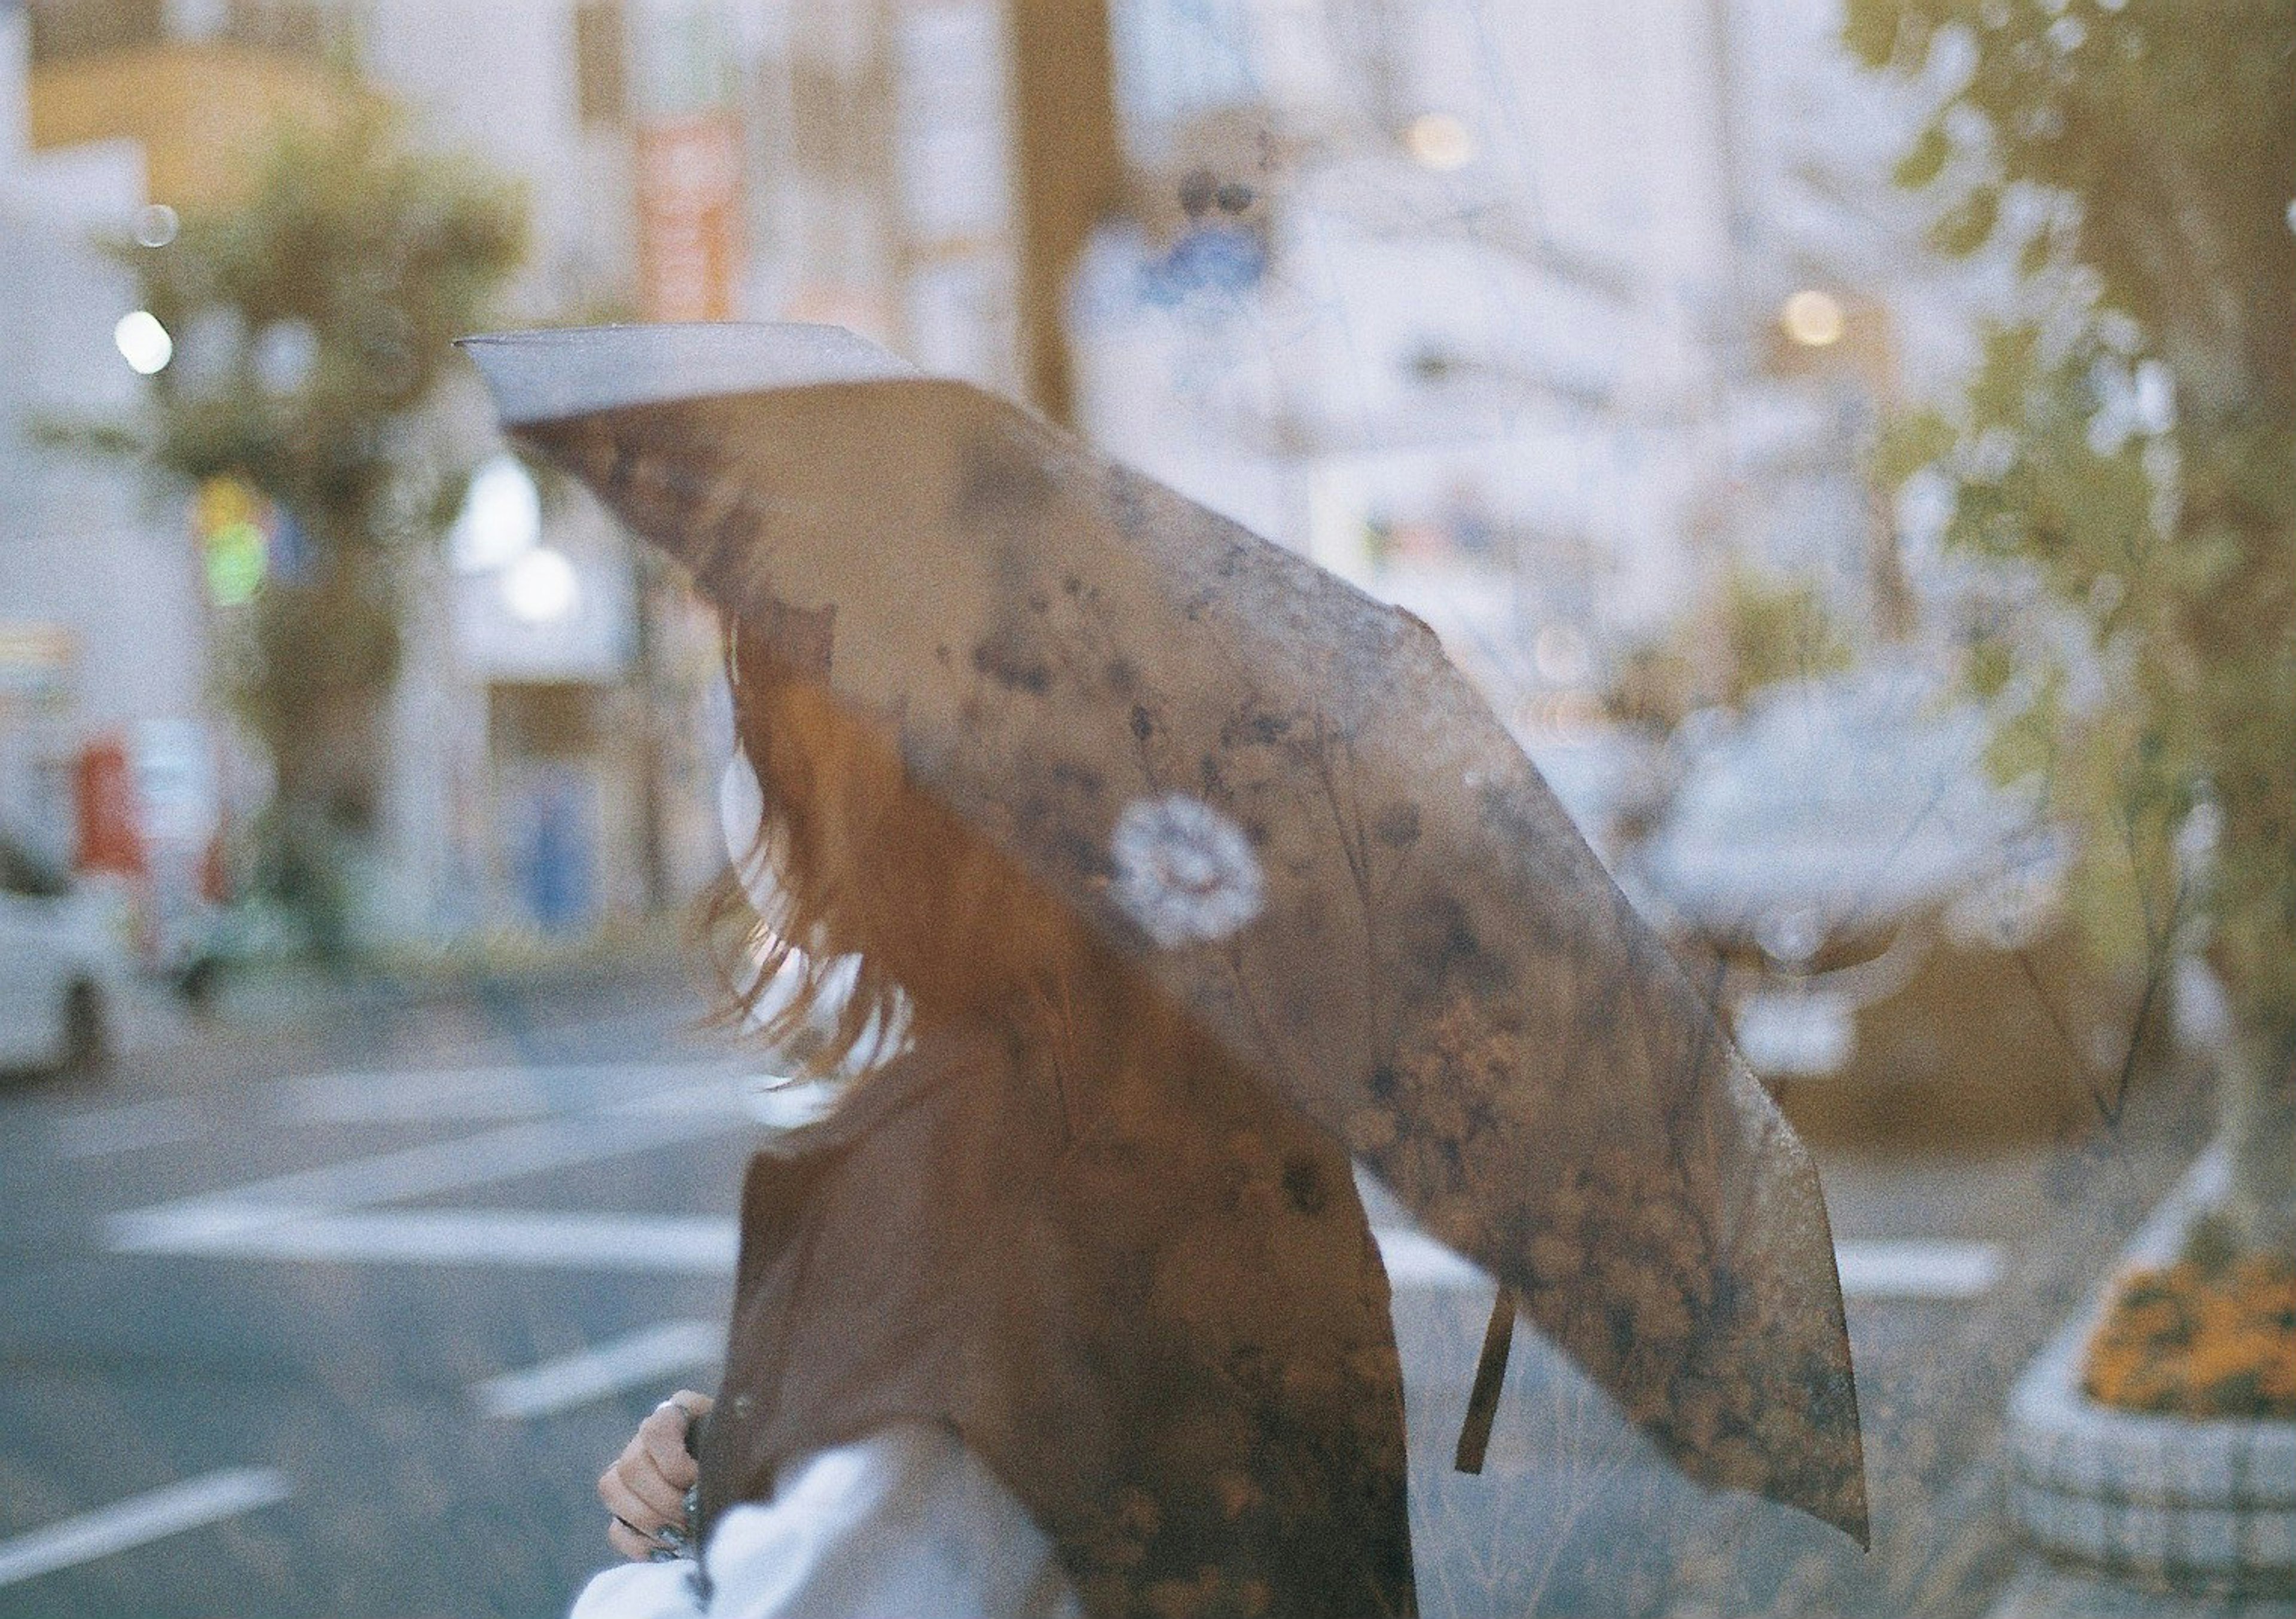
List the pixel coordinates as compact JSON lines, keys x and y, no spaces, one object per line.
{"x":214,"y":873}
{"x":105,"y":797}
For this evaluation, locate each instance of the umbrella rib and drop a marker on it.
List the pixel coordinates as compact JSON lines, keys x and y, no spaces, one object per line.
{"x":1490,"y":1378}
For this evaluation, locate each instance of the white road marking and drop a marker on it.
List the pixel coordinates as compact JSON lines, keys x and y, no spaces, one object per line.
{"x":667,"y":1245}
{"x":303,"y":1215}
{"x":664,"y":1244}
{"x":444,"y":1167}
{"x":1917,"y":1270}
{"x":207,"y":1499}
{"x":602,"y":1369}
{"x":506,"y":1093}
{"x":140,"y":1124}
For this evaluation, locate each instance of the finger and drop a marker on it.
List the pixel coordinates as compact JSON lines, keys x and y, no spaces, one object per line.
{"x":696,"y":1404}
{"x":645,"y":1501}
{"x":628,"y":1541}
{"x":648,"y":1481}
{"x":643,"y":1497}
{"x":662,"y":1437}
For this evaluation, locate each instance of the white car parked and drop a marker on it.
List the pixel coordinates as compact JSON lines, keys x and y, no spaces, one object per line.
{"x":58,"y":963}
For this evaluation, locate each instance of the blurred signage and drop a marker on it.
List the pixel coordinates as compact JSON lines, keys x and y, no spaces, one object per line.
{"x":689,"y":194}
{"x":246,"y":538}
{"x":689,"y":178}
{"x":104,"y":791}
{"x":36,"y":662}
{"x":148,"y":810}
{"x":687,"y":159}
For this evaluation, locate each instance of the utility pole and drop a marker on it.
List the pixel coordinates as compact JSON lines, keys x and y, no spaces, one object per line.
{"x":1070,"y":173}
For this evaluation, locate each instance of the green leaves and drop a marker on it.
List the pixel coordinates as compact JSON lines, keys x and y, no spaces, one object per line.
{"x":1925,"y":159}
{"x":319,"y":312}
{"x":1908,"y":444}
{"x":2161,"y":140}
{"x":1968,"y":225}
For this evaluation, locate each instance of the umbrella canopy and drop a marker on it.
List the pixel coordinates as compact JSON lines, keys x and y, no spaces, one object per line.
{"x":1277,"y":797}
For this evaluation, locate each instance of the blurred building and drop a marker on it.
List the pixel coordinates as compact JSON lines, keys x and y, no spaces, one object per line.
{"x":531,"y":785}
{"x":689,"y":159}
{"x":555,"y":748}
{"x":103,"y":643}
{"x":1531,"y":317}
{"x":884,"y":187}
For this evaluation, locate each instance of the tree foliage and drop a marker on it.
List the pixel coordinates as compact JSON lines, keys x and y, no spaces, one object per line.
{"x":314,"y":322}
{"x":1750,"y":629}
{"x":315,"y":317}
{"x":2126,"y":451}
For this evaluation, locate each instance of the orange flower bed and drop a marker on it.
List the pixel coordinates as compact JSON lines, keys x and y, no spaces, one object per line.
{"x":2190,"y":1341}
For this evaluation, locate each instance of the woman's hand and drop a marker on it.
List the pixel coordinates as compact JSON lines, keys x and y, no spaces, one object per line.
{"x":645,"y":1488}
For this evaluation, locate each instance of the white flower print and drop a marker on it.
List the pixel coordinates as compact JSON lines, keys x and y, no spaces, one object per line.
{"x":1184,"y":871}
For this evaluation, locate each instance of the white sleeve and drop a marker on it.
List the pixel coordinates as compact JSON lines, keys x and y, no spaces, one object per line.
{"x":905,"y":1521}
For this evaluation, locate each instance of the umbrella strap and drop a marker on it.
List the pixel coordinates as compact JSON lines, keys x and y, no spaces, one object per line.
{"x":1490,"y":1374}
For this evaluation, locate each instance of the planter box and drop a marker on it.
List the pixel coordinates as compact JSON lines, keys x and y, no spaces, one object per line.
{"x":2167,"y":1500}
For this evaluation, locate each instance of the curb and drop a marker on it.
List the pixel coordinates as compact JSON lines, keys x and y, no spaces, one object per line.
{"x":2170,"y":1502}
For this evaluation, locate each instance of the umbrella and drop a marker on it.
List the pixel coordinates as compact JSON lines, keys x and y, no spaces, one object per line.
{"x":1277,"y":797}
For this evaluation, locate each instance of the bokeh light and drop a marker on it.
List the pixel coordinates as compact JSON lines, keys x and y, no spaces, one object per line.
{"x":541,"y":587}
{"x":156,"y":225}
{"x":144,"y":342}
{"x":284,"y":355}
{"x":501,"y":520}
{"x":1439,"y":142}
{"x":1812,"y":318}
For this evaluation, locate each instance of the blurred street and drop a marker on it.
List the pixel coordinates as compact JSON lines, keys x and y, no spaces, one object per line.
{"x":343,"y":1316}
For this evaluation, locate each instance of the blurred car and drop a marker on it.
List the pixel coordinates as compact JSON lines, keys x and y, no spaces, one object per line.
{"x":1882,"y":923}
{"x":59,"y":962}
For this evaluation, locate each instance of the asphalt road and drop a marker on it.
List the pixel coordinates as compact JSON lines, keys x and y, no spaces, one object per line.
{"x":343,"y":1319}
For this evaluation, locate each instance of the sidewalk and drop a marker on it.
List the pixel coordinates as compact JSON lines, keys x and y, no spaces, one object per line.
{"x":268,"y":999}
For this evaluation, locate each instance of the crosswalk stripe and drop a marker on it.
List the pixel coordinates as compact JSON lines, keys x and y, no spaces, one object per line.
{"x":602,"y":1369}
{"x":1916,"y":1270}
{"x":466,"y":1161}
{"x":140,"y":1520}
{"x":1904,"y":1269}
{"x":500,"y":1093}
{"x":1416,"y":1260}
{"x":659,"y":1244}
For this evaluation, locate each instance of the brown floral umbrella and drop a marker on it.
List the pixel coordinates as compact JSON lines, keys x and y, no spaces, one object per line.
{"x":1278,"y":796}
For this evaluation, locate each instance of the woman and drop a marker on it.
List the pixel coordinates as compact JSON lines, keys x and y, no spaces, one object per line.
{"x":1059,"y":1311}
{"x":1066,"y":1251}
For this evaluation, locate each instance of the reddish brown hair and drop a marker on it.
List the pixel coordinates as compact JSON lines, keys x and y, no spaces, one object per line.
{"x":861,"y":862}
